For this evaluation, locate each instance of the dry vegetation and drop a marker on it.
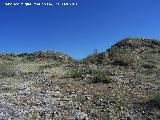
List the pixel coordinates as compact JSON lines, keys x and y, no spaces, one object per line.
{"x":122,"y":83}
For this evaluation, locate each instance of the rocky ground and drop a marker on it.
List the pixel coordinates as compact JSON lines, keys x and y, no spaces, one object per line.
{"x":50,"y":94}
{"x":34,"y":88}
{"x":35,"y":95}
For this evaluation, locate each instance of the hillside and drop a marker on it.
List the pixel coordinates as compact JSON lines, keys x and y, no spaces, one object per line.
{"x":121,"y":83}
{"x":133,"y":49}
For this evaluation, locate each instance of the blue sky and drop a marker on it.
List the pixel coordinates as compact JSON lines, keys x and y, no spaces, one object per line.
{"x":76,"y":30}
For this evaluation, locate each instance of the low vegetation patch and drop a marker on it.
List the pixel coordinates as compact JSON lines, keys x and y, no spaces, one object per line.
{"x":6,"y":70}
{"x":156,"y":100}
{"x":149,"y":72}
{"x":96,"y":76}
{"x":7,"y":89}
{"x":122,"y":60}
{"x":79,"y":72}
{"x":148,"y":66}
{"x":101,"y":77}
{"x":49,"y":66}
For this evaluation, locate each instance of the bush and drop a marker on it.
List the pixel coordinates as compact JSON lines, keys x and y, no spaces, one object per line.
{"x":149,"y":72}
{"x":96,"y":76}
{"x":148,"y":66}
{"x":79,"y":72}
{"x":156,"y":100}
{"x":101,"y":77}
{"x":6,"y":70}
{"x":122,"y":60}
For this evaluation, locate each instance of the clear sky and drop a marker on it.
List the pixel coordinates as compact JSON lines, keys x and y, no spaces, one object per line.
{"x":76,"y":30}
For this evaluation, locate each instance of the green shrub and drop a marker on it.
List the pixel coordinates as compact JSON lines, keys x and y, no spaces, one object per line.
{"x":78,"y":72}
{"x":156,"y":100}
{"x":96,"y":76}
{"x":148,"y":65}
{"x":122,"y":60}
{"x":101,"y":77}
{"x":7,"y":89}
{"x":6,"y":70}
{"x":148,"y":72}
